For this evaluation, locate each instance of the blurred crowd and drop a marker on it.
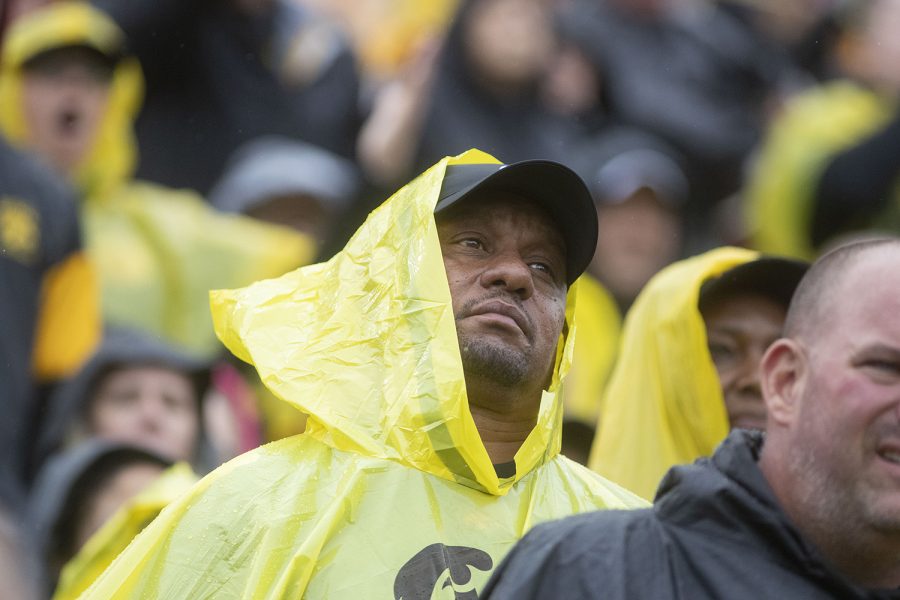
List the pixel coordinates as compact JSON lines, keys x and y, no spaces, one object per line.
{"x":153,"y":150}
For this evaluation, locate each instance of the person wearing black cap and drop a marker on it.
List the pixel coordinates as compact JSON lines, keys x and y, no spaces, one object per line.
{"x":514,"y":238}
{"x":687,"y":370}
{"x":429,"y":356}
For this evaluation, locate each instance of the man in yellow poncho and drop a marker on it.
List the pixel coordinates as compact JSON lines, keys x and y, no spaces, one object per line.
{"x":70,"y":94}
{"x":434,"y":423}
{"x":687,"y":370}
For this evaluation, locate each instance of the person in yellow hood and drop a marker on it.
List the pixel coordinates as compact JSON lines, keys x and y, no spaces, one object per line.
{"x":70,"y":93}
{"x":827,"y":170}
{"x":687,"y":370}
{"x":428,"y":355}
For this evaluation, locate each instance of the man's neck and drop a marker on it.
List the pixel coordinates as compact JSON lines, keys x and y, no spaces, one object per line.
{"x":869,"y":558}
{"x":502,"y":431}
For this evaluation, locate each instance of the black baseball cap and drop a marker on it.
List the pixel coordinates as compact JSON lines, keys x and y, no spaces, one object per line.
{"x":773,"y":277}
{"x":553,"y":186}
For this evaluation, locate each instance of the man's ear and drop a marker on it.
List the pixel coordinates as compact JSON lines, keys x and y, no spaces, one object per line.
{"x":782,"y":376}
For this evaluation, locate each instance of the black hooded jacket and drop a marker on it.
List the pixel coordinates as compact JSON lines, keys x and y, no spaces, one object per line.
{"x":715,"y":531}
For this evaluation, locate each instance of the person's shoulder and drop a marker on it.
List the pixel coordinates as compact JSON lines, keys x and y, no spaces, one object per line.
{"x":590,"y":555}
{"x":588,"y":532}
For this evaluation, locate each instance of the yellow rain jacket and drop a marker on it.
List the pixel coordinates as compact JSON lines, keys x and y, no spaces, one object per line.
{"x":814,"y":127}
{"x":390,"y":492}
{"x":109,"y":541}
{"x":157,"y":251}
{"x":664,"y":404}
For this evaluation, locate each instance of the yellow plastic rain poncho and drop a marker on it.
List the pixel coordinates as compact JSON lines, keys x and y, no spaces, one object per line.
{"x":814,"y":127}
{"x":157,"y":251}
{"x":390,"y":493}
{"x":109,"y":541}
{"x":664,"y":404}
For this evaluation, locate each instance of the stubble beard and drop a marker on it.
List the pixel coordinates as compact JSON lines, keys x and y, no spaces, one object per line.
{"x":493,"y":361}
{"x":842,"y":509}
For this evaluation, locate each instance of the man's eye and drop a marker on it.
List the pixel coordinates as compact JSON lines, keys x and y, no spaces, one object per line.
{"x":472,"y":243}
{"x":888,"y":367}
{"x":721,"y":352}
{"x":541,"y":266}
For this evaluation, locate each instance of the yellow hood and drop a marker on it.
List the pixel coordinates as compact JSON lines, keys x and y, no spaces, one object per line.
{"x":664,"y":403}
{"x":813,"y":128}
{"x":366,"y":345}
{"x":113,"y":156}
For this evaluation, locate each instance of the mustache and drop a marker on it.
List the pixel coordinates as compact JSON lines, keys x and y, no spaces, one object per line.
{"x":466,"y":309}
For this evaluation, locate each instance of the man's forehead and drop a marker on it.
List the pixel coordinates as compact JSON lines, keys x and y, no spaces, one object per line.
{"x":492,"y":207}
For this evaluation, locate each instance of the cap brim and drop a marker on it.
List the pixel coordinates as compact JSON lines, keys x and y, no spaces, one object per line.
{"x":553,"y":186}
{"x":772,"y":277}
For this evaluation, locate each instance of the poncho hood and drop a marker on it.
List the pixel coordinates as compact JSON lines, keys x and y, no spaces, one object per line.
{"x":113,"y":155}
{"x":366,"y":345}
{"x":664,"y":403}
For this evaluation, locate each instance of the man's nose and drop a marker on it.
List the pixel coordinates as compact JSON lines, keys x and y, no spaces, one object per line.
{"x":747,"y":380}
{"x":509,"y":272}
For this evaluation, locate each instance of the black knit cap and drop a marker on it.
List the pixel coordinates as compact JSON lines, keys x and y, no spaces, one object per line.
{"x":553,"y":186}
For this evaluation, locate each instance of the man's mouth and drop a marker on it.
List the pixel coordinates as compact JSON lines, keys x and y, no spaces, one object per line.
{"x":68,"y":120}
{"x":503,"y":309}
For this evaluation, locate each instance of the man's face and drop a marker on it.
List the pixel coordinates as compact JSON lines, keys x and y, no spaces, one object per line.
{"x":151,"y":406}
{"x":64,"y":97}
{"x":505,"y":263}
{"x":846,"y":434}
{"x":739,"y":328}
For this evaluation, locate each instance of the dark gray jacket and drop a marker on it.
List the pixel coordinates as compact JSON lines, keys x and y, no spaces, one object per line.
{"x":715,"y":531}
{"x":38,"y":231}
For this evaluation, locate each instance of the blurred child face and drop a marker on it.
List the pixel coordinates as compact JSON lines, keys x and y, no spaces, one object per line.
{"x":510,"y":42}
{"x":64,"y":95}
{"x":150,"y":406}
{"x":126,"y":484}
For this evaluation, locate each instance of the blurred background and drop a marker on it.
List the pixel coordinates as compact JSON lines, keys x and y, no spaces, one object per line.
{"x":151,"y":150}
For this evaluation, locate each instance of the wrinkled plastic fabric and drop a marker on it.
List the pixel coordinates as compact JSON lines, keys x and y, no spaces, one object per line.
{"x":157,"y":251}
{"x":596,"y":347}
{"x":814,"y":127}
{"x":109,"y":541}
{"x":664,"y":404}
{"x":391,"y":473}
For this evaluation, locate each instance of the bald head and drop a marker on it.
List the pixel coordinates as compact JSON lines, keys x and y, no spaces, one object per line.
{"x":815,"y":296}
{"x":832,"y":390}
